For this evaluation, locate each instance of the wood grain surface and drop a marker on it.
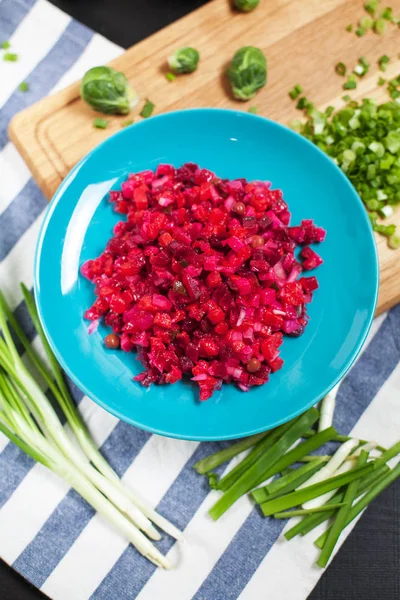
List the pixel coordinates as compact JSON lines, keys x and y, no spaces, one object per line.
{"x":302,"y":40}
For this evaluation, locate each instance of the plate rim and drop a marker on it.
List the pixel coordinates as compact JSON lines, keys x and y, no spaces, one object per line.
{"x":76,"y":379}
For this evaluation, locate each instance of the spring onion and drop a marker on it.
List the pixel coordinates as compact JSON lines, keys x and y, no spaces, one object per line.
{"x":394,"y":242}
{"x":387,"y":14}
{"x":100,"y":123}
{"x":313,"y":491}
{"x":381,"y":81}
{"x":259,"y":449}
{"x":328,"y":408}
{"x":253,"y":110}
{"x":5,"y":45}
{"x":360,"y":31}
{"x":23,"y":86}
{"x":147,"y":109}
{"x":370,"y":131}
{"x":383,"y":62}
{"x":170,"y":76}
{"x":215,"y":460}
{"x":127,"y":123}
{"x":362,"y":67}
{"x":28,"y":418}
{"x":351,"y":83}
{"x":349,"y":28}
{"x":287,"y":483}
{"x":10,"y":57}
{"x":335,"y":462}
{"x":301,"y":512}
{"x":366,"y":482}
{"x":379,"y":26}
{"x":341,"y":69}
{"x":366,"y":23}
{"x":295,"y":92}
{"x":263,"y":467}
{"x":347,"y":466}
{"x":371,"y":6}
{"x":383,"y":482}
{"x":302,"y":103}
{"x":341,"y":517}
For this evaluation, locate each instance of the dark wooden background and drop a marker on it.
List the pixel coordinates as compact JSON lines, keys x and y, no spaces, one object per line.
{"x":368,"y":564}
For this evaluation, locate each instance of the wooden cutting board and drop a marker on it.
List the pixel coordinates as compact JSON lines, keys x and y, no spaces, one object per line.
{"x":302,"y":39}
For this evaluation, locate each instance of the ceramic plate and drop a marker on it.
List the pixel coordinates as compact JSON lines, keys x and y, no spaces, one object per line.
{"x":233,"y":144}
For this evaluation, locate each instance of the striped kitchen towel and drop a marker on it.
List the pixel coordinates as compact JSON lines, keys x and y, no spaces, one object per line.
{"x":47,"y":532}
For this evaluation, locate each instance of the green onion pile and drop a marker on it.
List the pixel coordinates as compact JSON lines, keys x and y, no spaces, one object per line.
{"x":363,"y":138}
{"x":376,"y":20}
{"x":323,"y":487}
{"x":28,"y":419}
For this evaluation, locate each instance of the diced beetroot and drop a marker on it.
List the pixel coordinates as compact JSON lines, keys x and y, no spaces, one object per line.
{"x":312,"y":259}
{"x":292,"y":294}
{"x":276,"y":364}
{"x":200,"y":277}
{"x":309,"y":284}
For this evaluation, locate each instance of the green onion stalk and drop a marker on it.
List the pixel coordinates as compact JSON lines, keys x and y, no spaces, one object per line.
{"x":28,"y":419}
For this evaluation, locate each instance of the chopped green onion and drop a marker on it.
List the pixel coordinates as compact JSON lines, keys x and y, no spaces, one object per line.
{"x":302,"y":103}
{"x":261,"y":447}
{"x":381,"y":81}
{"x":265,"y":466}
{"x":23,"y":86}
{"x":212,"y":480}
{"x":301,"y":512}
{"x":379,"y":26}
{"x":10,"y":57}
{"x":366,"y":482}
{"x":328,"y":408}
{"x":310,"y":522}
{"x":312,"y":491}
{"x":383,"y":62}
{"x":147,"y":109}
{"x":5,"y":45}
{"x":295,"y":92}
{"x":341,"y":517}
{"x":383,"y":482}
{"x":296,"y":125}
{"x":127,"y":123}
{"x":100,"y":123}
{"x":394,"y":242}
{"x":371,"y":6}
{"x":340,"y":69}
{"x":364,"y":66}
{"x":336,"y":463}
{"x":387,"y":14}
{"x":366,"y":23}
{"x":253,"y":110}
{"x":215,"y":460}
{"x":360,"y":31}
{"x":170,"y":76}
{"x":350,"y":85}
{"x":349,"y":28}
{"x":287,"y":483}
{"x":377,"y":148}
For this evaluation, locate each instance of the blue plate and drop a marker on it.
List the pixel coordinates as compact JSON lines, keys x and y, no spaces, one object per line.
{"x":234,"y":144}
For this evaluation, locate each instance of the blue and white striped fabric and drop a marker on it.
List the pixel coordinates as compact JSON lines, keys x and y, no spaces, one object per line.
{"x":47,"y":532}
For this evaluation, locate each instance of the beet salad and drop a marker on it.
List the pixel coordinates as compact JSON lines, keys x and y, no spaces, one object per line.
{"x":201,"y":277}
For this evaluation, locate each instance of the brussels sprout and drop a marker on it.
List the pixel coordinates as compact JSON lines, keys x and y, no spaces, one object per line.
{"x":247,"y":73}
{"x":107,"y":91}
{"x":184,"y":60}
{"x":246,"y":5}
